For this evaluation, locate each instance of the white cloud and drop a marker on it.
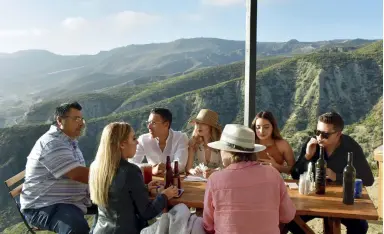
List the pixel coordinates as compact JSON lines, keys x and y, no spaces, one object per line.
{"x":74,"y":23}
{"x":17,"y":33}
{"x":223,"y":2}
{"x":75,"y":35}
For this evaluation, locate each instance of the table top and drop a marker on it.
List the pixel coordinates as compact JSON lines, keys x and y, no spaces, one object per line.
{"x":328,"y":205}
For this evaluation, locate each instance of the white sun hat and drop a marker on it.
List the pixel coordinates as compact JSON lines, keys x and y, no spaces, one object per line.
{"x":237,"y":138}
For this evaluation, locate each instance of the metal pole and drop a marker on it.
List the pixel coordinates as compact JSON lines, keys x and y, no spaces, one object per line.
{"x":250,"y":63}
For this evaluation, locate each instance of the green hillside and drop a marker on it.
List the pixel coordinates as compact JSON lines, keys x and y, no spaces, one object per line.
{"x":134,"y":94}
{"x":295,"y":89}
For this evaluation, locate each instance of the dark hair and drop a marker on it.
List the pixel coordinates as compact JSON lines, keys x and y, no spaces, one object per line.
{"x":164,"y":113}
{"x":268,"y":116}
{"x":243,"y":157}
{"x":64,"y":108}
{"x":334,"y":119}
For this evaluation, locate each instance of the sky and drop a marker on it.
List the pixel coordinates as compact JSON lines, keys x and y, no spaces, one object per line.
{"x":89,"y":26}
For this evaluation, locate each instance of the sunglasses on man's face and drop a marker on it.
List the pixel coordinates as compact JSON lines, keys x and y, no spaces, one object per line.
{"x":325,"y":135}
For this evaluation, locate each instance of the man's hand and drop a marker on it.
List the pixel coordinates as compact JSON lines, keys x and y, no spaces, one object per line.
{"x":311,"y":148}
{"x":158,"y":168}
{"x":331,"y":175}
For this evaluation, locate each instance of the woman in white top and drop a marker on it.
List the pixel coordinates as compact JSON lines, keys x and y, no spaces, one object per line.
{"x":207,"y":129}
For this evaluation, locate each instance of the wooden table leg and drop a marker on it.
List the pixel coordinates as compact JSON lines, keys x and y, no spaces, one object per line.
{"x":303,"y":225}
{"x":332,"y":226}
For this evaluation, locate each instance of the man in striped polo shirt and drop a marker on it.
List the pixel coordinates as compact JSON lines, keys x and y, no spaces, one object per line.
{"x":55,"y":193}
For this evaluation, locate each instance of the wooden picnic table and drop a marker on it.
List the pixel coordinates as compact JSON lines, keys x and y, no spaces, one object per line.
{"x":329,"y":206}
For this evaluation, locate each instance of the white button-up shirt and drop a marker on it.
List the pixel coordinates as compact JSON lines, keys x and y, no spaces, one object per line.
{"x":176,"y":147}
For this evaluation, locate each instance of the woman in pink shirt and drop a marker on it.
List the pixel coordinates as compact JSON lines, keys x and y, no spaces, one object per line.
{"x":245,"y":197}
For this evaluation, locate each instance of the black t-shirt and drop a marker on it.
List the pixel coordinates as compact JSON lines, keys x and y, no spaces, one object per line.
{"x":338,"y":161}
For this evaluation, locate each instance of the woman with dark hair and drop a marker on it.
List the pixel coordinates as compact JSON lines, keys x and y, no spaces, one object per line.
{"x":246,"y":196}
{"x":278,"y":153}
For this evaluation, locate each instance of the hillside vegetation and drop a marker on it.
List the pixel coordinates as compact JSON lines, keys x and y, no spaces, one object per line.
{"x":295,"y":89}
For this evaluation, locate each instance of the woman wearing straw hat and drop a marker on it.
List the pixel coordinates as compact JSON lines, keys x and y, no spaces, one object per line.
{"x":207,"y":129}
{"x":246,"y":196}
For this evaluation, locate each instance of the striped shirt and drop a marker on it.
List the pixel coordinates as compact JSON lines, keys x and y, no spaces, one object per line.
{"x":53,"y":155}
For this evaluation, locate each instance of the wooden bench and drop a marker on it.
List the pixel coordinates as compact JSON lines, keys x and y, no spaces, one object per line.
{"x":15,"y":186}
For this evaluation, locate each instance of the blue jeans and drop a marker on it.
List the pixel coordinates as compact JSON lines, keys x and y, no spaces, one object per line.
{"x":59,"y":218}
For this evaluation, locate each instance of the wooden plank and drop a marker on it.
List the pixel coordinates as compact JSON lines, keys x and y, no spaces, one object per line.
{"x":331,"y":205}
{"x":11,"y":181}
{"x":328,"y":205}
{"x":16,"y":191}
{"x":193,"y":195}
{"x":378,"y":153}
{"x":378,"y":156}
{"x":332,"y":226}
{"x":303,"y":225}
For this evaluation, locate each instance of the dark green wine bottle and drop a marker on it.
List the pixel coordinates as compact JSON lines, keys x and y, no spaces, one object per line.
{"x":321,"y":166}
{"x":349,"y":176}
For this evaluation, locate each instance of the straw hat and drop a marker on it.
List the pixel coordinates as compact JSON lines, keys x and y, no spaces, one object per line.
{"x":208,"y":117}
{"x":237,"y":138}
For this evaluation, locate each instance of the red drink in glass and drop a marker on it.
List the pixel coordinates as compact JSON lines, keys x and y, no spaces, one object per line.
{"x":147,"y":173}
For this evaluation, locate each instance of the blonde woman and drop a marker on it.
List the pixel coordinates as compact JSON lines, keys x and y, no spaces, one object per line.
{"x":117,"y":186}
{"x":206,"y":129}
{"x":246,"y":196}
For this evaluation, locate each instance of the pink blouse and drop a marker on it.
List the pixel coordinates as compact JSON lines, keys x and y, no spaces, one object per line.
{"x":245,"y":198}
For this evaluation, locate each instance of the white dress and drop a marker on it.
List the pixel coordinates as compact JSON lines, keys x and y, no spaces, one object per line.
{"x":215,"y":160}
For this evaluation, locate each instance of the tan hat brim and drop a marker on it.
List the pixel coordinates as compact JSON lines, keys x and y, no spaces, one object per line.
{"x":217,"y":126}
{"x":222,"y":146}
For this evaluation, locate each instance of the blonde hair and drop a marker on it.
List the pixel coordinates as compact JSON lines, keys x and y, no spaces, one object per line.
{"x":215,"y":134}
{"x":107,"y":161}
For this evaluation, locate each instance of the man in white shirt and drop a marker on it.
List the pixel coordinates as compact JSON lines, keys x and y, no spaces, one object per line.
{"x":160,"y":142}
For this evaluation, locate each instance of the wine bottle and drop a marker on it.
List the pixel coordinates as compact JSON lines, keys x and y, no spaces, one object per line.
{"x":321,"y":166}
{"x":168,"y":173}
{"x":176,"y":176}
{"x":349,"y":177}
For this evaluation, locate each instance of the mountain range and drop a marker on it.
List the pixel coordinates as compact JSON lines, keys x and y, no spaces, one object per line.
{"x":32,"y":76}
{"x":297,"y":81}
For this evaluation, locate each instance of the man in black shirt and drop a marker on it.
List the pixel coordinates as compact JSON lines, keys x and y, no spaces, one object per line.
{"x":336,"y":147}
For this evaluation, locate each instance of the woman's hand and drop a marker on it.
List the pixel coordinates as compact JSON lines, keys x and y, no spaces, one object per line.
{"x":207,"y":173}
{"x":271,"y":161}
{"x":170,"y":192}
{"x":195,"y":141}
{"x":153,"y":185}
{"x":195,"y":171}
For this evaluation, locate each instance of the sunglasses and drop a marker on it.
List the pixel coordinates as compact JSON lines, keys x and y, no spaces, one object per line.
{"x":325,"y":135}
